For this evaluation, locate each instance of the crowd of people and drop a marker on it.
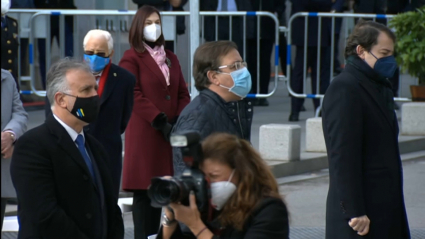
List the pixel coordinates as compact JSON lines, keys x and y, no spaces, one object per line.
{"x":67,"y":173}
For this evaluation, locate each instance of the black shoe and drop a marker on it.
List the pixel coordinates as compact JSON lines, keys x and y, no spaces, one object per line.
{"x":263,"y":102}
{"x":294,"y":117}
{"x":303,"y":108}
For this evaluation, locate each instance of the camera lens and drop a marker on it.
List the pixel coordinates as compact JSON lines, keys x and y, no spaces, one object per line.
{"x":164,"y":191}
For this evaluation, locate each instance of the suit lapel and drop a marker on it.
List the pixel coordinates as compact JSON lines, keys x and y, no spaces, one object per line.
{"x":66,"y":143}
{"x":111,"y":81}
{"x":153,"y":67}
{"x":370,"y":89}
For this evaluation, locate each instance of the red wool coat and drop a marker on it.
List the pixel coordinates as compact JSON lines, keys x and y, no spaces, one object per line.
{"x":147,"y":153}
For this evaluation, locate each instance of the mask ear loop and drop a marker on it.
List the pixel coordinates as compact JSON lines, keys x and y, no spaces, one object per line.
{"x":231,"y":176}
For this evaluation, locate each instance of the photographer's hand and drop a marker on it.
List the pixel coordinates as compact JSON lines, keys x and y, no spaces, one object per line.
{"x":191,"y":217}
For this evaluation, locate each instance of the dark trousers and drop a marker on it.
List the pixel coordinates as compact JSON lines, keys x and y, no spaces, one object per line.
{"x":69,"y":46}
{"x":3,"y":210}
{"x":371,"y":6}
{"x":266,"y":48}
{"x":297,"y":74}
{"x":145,"y":217}
{"x":283,"y":52}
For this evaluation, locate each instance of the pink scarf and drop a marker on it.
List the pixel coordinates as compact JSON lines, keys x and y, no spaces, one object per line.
{"x":159,"y":55}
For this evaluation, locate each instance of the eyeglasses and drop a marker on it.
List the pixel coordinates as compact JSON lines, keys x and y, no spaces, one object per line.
{"x":101,"y":54}
{"x":235,"y":66}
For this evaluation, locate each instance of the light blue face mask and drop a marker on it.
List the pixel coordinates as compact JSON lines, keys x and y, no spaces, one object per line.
{"x":242,"y":82}
{"x":96,"y":63}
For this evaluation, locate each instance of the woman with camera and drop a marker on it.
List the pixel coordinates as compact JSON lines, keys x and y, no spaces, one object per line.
{"x":244,"y":195}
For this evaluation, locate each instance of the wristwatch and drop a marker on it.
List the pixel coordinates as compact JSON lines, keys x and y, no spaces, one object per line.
{"x":166,"y":222}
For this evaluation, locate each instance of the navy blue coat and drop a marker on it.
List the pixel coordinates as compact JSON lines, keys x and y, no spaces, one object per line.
{"x":365,"y":171}
{"x":116,"y":105}
{"x":326,"y":6}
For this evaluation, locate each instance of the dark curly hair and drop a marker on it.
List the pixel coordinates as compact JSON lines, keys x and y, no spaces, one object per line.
{"x":366,"y":34}
{"x":208,"y":57}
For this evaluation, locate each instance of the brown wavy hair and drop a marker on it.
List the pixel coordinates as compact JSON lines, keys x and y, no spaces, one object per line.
{"x":256,"y":180}
{"x":136,"y":37}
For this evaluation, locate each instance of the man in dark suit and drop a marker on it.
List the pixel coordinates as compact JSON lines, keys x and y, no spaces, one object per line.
{"x":360,"y":127}
{"x":61,"y":174}
{"x":312,"y":47}
{"x":9,"y":42}
{"x":54,"y":31}
{"x":267,"y":38}
{"x":223,"y":29}
{"x":115,"y":91}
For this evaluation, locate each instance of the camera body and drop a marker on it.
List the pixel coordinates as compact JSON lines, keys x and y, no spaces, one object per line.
{"x":166,"y":190}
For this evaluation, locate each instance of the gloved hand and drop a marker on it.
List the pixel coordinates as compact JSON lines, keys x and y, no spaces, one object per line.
{"x":161,"y":123}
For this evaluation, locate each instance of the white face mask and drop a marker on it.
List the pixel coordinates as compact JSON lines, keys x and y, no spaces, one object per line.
{"x":221,"y":192}
{"x":5,"y":6}
{"x":152,"y":32}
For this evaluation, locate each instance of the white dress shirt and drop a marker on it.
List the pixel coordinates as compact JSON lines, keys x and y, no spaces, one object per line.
{"x":231,"y":6}
{"x":72,"y":133}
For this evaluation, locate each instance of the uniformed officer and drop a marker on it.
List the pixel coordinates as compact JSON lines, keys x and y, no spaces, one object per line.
{"x":9,"y":42}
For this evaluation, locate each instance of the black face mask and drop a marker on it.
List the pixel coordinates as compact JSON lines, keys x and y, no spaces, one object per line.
{"x":86,"y":109}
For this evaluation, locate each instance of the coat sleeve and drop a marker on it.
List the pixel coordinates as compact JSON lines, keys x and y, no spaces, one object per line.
{"x":343,"y":127}
{"x":270,"y":222}
{"x":18,"y":122}
{"x":128,"y":104}
{"x":33,"y":178}
{"x":142,"y":107}
{"x":184,"y":97}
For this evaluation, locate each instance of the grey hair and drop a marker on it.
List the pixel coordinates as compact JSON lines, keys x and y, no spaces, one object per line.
{"x":98,"y":32}
{"x":56,"y":76}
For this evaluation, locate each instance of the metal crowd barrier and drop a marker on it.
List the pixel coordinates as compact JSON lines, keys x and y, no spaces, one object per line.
{"x":35,"y":24}
{"x":244,"y":15}
{"x":40,"y":18}
{"x":306,"y":15}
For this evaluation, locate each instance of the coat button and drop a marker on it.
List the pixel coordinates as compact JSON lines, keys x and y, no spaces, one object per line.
{"x":235,"y":120}
{"x":85,"y":177}
{"x":5,"y":29}
{"x":249,"y":110}
{"x":9,"y":61}
{"x":9,"y":51}
{"x":8,"y":42}
{"x":10,"y":70}
{"x":249,"y":103}
{"x":167,"y":97}
{"x":88,"y":215}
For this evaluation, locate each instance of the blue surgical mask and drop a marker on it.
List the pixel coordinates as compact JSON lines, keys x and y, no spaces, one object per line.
{"x":242,"y":82}
{"x":385,"y":66}
{"x":96,"y":63}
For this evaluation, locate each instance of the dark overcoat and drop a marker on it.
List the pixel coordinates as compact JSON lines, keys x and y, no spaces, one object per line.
{"x":365,"y":170}
{"x":57,"y":196}
{"x":147,"y":153}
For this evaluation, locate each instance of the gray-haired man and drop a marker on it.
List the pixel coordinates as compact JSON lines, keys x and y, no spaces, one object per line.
{"x":62,"y":182}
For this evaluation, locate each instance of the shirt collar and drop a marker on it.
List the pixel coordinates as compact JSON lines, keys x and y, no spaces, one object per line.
{"x":72,"y":133}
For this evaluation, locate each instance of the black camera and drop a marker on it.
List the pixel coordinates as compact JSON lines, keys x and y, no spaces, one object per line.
{"x":164,"y":191}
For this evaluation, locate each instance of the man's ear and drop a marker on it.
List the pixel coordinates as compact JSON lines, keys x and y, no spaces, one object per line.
{"x":111,"y":55}
{"x":360,"y":52}
{"x":60,"y":100}
{"x":212,"y":76}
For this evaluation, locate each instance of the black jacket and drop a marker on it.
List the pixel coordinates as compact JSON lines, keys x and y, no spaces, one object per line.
{"x":58,"y":198}
{"x":268,"y":220}
{"x":361,"y":135}
{"x":9,"y":47}
{"x":116,"y":106}
{"x":209,"y":113}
